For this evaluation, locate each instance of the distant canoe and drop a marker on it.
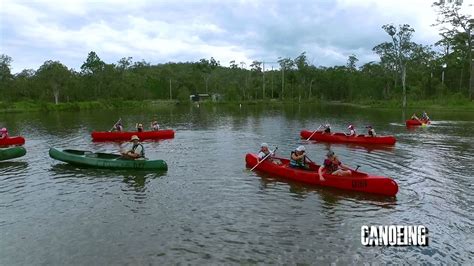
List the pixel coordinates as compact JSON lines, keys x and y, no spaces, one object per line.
{"x":17,"y":140}
{"x":105,"y":160}
{"x":126,"y":135}
{"x":12,"y":153}
{"x":416,"y":122}
{"x":341,"y":137}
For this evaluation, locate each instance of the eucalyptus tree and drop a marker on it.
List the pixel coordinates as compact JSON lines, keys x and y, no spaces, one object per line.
{"x":457,"y":31}
{"x":55,"y":76}
{"x":285,"y":65}
{"x":398,"y":51}
{"x":5,"y":74}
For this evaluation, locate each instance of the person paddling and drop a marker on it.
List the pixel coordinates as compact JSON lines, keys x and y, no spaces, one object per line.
{"x":298,"y":158}
{"x":118,"y":126}
{"x":371,"y":131}
{"x":155,"y":126}
{"x":327,"y":129}
{"x":425,"y":116}
{"x":3,"y":133}
{"x":139,"y":127}
{"x":352,"y":131}
{"x":414,"y":117}
{"x":137,"y":151}
{"x":264,"y":152}
{"x":332,"y":166}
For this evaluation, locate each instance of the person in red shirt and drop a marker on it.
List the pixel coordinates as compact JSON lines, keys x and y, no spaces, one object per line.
{"x":332,"y":166}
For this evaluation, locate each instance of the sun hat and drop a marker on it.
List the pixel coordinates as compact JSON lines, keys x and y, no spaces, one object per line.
{"x":300,"y":148}
{"x":135,"y":137}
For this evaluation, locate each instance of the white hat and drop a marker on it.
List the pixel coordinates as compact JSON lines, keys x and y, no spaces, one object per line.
{"x":300,"y":148}
{"x":350,"y":126}
{"x":135,"y":137}
{"x":264,"y":145}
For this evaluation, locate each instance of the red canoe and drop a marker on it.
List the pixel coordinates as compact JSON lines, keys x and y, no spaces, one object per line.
{"x":12,"y":141}
{"x":416,"y":122}
{"x":341,"y":137}
{"x":358,"y":181}
{"x":121,"y":136}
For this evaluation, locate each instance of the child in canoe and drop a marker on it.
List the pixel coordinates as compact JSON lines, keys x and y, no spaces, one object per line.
{"x":155,"y":126}
{"x":3,"y":133}
{"x":298,"y":158}
{"x":264,"y":152}
{"x":352,"y":131}
{"x":327,"y":129}
{"x":371,"y":131}
{"x":425,"y":116}
{"x":139,"y":127}
{"x":118,"y":126}
{"x":332,"y":166}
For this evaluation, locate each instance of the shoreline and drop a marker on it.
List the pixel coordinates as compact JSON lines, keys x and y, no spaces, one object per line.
{"x":31,"y":106}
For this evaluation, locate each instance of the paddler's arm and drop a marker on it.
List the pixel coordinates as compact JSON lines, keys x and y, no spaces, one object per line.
{"x":320,"y":173}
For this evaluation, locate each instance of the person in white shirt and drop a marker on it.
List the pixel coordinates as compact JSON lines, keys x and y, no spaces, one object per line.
{"x":352,"y":131}
{"x":137,"y":151}
{"x":264,"y":152}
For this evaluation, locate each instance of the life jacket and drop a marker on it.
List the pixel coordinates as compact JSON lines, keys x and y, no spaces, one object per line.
{"x":371,"y":132}
{"x":331,"y":166}
{"x":327,"y":130}
{"x":142,"y":153}
{"x":299,"y":162}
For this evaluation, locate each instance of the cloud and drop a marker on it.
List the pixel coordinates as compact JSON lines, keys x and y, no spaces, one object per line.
{"x":163,"y":31}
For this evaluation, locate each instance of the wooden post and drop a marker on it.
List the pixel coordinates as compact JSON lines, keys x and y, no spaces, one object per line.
{"x":263,"y":79}
{"x":471,"y":59}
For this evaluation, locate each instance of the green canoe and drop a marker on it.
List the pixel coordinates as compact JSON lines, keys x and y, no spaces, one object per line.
{"x":105,"y":160}
{"x":10,"y":153}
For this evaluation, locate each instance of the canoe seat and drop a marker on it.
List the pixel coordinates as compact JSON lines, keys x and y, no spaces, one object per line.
{"x":77,"y":152}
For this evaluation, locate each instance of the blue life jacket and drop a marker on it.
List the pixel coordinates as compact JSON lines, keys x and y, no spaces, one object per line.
{"x":299,"y":162}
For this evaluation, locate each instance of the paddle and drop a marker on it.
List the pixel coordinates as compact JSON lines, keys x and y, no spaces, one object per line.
{"x":264,"y":158}
{"x":120,"y":119}
{"x":315,"y":131}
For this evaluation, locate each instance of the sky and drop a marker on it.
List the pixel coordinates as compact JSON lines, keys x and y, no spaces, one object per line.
{"x":34,"y":31}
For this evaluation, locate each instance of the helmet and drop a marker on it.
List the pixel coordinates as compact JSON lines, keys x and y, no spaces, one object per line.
{"x":300,"y":148}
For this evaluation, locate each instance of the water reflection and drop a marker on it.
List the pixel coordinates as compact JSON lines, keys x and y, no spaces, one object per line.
{"x":330,"y":195}
{"x":8,"y":166}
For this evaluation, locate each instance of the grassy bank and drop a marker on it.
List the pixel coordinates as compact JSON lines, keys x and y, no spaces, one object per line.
{"x":31,"y":106}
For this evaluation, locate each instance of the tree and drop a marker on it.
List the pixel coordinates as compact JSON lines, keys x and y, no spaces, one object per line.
{"x":5,"y":72}
{"x":285,"y":65}
{"x":207,"y":67}
{"x":399,"y":51}
{"x":55,"y":75}
{"x":93,"y":64}
{"x":351,"y":62}
{"x":455,"y":25}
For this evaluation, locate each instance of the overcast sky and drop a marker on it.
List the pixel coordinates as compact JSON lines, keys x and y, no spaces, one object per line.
{"x":179,"y":31}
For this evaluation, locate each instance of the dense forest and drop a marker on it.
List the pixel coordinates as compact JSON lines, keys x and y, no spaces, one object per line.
{"x":406,"y":70}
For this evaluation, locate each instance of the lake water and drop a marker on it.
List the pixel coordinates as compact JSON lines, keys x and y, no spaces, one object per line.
{"x":208,"y":208}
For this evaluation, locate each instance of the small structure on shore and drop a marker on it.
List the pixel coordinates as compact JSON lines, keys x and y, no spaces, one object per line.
{"x":199,"y":97}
